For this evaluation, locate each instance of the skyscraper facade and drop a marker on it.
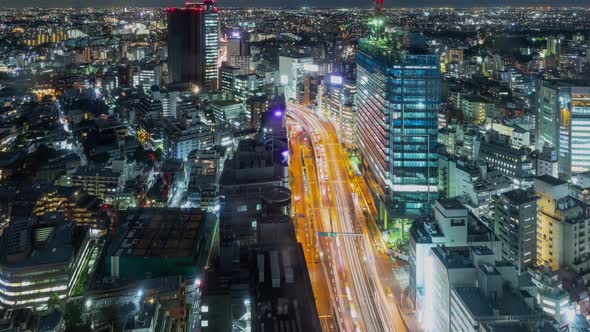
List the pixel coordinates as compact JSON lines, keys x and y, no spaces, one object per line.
{"x":398,"y":97}
{"x":193,"y":44}
{"x":238,"y":51}
{"x":515,"y":225}
{"x":563,"y":123}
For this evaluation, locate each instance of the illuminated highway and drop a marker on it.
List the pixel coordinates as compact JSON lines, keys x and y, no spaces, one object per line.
{"x":350,"y":259}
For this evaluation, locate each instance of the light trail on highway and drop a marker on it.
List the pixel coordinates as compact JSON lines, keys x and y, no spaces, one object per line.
{"x":348,"y":259}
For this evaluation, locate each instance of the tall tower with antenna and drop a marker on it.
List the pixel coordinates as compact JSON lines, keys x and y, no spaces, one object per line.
{"x":396,"y":121}
{"x":377,"y":23}
{"x":193,"y":44}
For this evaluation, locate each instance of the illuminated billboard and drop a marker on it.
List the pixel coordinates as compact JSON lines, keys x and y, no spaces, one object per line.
{"x":336,"y":79}
{"x":311,"y":67}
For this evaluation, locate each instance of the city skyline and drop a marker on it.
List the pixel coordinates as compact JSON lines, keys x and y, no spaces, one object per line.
{"x":183,"y":168}
{"x":310,"y":3}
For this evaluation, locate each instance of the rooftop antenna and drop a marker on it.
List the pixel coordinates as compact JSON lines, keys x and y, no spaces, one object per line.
{"x":378,"y":22}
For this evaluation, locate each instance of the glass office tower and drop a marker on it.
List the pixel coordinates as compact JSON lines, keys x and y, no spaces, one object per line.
{"x":563,"y":123}
{"x":398,"y":99}
{"x":574,"y":131}
{"x":193,"y":43}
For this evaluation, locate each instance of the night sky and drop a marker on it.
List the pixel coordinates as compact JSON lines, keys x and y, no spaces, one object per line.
{"x":293,"y":3}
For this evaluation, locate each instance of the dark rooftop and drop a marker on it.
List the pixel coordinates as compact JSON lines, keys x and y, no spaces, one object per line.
{"x":551,"y":180}
{"x":157,"y":232}
{"x":39,"y":241}
{"x":519,"y":196}
{"x":451,"y":203}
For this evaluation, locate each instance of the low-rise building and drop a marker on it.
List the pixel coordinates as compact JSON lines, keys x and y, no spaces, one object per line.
{"x":98,"y":181}
{"x":160,"y":242}
{"x":228,"y":112}
{"x":75,"y":204}
{"x":180,"y":138}
{"x":469,"y":290}
{"x":453,"y":225}
{"x":514,"y":163}
{"x":40,"y":258}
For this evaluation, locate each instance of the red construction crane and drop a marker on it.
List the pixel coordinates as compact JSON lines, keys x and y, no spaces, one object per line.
{"x":406,"y":34}
{"x":378,"y":7}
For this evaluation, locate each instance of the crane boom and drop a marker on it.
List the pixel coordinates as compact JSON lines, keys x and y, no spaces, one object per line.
{"x":378,"y":7}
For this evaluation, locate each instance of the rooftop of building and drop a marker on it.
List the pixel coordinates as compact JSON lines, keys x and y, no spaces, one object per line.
{"x":475,"y":98}
{"x":283,"y":290}
{"x":95,"y":171}
{"x":9,"y":159}
{"x":519,"y":196}
{"x":551,"y":180}
{"x":224,"y":103}
{"x":157,"y":232}
{"x":482,"y":250}
{"x":510,"y":304}
{"x":506,"y":151}
{"x":75,"y":194}
{"x":294,"y":55}
{"x":35,"y":242}
{"x":454,"y":257}
{"x":424,"y":230}
{"x":567,"y":82}
{"x":253,"y":162}
{"x":451,"y":203}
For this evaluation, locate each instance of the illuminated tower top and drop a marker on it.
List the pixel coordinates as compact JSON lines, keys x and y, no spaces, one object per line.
{"x":377,"y":23}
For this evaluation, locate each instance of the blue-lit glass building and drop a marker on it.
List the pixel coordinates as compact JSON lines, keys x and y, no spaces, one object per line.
{"x":398,"y":99}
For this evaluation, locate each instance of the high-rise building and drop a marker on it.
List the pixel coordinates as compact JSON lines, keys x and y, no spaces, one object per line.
{"x":562,"y":223}
{"x":137,"y":250}
{"x":254,"y":178}
{"x":476,"y":185}
{"x":291,"y":72}
{"x":227,"y":78}
{"x":562,"y":122}
{"x":124,"y":75}
{"x":336,"y":102}
{"x":246,"y":86}
{"x":238,"y":51}
{"x":516,"y":226}
{"x":193,"y":44}
{"x":310,"y":90}
{"x":398,"y":97}
{"x":255,"y":107}
{"x":148,"y":76}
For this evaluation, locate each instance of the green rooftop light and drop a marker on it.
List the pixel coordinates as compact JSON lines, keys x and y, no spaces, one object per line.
{"x":376,"y":21}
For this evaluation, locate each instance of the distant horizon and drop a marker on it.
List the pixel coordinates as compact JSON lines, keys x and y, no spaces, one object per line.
{"x":312,"y":4}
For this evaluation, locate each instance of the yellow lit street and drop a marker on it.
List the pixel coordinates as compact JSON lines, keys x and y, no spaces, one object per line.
{"x":350,"y":273}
